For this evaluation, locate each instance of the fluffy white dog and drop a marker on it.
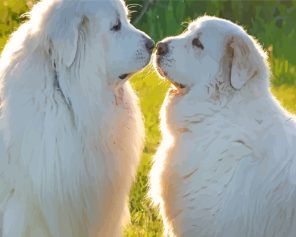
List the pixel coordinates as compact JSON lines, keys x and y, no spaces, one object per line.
{"x":227,"y":163}
{"x":71,"y":132}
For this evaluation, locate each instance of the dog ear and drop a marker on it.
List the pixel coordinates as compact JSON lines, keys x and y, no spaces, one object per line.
{"x":244,"y":59}
{"x":64,"y":40}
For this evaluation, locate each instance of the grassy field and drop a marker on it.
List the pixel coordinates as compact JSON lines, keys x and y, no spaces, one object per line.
{"x":145,"y":221}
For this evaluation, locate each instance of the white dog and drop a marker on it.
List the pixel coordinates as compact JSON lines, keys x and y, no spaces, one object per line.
{"x":71,"y":129}
{"x":227,"y":163}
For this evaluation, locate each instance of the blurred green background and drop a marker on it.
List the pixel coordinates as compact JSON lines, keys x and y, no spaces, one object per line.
{"x":272,"y":22}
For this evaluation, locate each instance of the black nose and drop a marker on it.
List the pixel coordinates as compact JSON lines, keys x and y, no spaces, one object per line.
{"x":162,"y":49}
{"x":149,"y":45}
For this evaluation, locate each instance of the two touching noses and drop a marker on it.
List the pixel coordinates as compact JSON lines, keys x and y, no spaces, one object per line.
{"x":161,"y":47}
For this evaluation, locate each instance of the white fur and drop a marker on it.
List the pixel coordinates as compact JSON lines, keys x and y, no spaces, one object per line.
{"x":71,"y":131}
{"x":227,"y":163}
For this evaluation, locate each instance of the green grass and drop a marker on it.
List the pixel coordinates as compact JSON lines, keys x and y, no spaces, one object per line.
{"x":145,"y":220}
{"x":287,"y":96}
{"x":151,"y":90}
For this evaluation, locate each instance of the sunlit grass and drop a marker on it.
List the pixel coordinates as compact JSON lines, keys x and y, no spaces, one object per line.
{"x":145,"y":220}
{"x":283,"y":72}
{"x":287,"y":96}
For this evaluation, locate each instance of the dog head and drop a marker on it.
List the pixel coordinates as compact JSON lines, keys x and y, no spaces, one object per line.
{"x":94,"y":33}
{"x":212,"y":54}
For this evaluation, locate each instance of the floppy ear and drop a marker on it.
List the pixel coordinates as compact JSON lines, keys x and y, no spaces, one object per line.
{"x":64,"y":40}
{"x":244,"y":60}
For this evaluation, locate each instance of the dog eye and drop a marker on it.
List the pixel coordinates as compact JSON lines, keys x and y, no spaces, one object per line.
{"x":196,"y":43}
{"x":117,"y":26}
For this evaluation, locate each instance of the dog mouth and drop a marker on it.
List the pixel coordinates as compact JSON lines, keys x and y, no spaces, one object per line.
{"x":178,"y":85}
{"x":126,"y":76}
{"x":164,"y":74}
{"x":130,"y":74}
